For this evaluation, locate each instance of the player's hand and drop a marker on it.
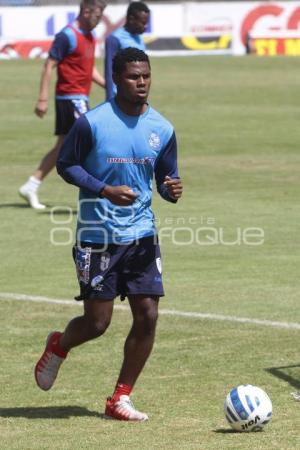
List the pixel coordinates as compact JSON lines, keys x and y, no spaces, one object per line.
{"x":41,"y":108}
{"x":174,"y":186}
{"x":119,"y":195}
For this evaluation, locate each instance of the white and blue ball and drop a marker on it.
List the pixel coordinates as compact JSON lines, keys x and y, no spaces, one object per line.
{"x":248,"y":408}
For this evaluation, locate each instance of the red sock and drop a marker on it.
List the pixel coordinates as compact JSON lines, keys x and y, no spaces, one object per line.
{"x":121,"y":389}
{"x":56,"y":348}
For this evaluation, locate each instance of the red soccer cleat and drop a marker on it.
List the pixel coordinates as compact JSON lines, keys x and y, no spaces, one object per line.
{"x":47,"y":367}
{"x":123,"y":409}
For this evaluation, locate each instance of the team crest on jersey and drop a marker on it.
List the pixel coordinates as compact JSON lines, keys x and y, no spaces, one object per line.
{"x":154,"y":140}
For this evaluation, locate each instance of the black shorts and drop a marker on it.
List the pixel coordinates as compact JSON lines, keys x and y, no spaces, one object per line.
{"x":124,"y":270}
{"x":66,"y":112}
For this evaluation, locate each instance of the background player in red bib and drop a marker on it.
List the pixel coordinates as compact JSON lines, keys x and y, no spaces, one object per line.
{"x":72,"y":54}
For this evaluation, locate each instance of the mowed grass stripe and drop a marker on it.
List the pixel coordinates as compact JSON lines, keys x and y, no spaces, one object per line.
{"x":167,"y":312}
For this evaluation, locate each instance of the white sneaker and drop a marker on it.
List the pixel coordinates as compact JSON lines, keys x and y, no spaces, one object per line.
{"x":296,"y":396}
{"x":123,"y":409}
{"x":31,"y":197}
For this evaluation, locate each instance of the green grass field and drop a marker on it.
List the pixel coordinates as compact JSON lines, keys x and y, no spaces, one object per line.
{"x":237,"y":122}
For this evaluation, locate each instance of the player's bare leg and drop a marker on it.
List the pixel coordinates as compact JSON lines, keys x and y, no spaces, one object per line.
{"x":29,"y":190}
{"x":49,"y":160}
{"x":92,"y":324}
{"x":137,"y":349}
{"x":140,"y":339}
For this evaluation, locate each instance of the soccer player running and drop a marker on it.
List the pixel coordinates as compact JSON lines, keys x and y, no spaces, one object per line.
{"x":112,"y":154}
{"x":130,"y":35}
{"x":72,"y":55}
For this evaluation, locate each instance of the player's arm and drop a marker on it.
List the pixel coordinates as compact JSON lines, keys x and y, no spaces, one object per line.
{"x":57,"y":52}
{"x":98,"y":78}
{"x":74,"y":151}
{"x":41,"y":106}
{"x":168,"y":182}
{"x":111,"y":48}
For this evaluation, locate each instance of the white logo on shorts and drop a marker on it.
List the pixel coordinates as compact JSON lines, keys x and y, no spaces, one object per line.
{"x":158,"y":265}
{"x":95,"y":283}
{"x":80,"y":107}
{"x":104,"y":261}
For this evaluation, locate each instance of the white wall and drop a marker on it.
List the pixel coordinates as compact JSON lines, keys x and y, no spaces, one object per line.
{"x":197,"y":21}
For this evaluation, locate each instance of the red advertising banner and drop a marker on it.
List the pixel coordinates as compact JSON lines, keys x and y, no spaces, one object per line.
{"x":26,"y":49}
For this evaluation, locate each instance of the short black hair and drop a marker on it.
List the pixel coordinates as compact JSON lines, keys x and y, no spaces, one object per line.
{"x":127,"y":55}
{"x":136,"y":7}
{"x":92,"y":4}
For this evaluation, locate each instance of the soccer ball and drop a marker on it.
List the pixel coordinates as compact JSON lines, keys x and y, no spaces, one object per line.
{"x":248,"y":408}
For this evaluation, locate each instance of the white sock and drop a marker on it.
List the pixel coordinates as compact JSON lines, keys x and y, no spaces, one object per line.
{"x":33,"y":184}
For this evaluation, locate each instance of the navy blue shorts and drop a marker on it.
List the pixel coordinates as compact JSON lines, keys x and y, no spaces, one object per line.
{"x":66,"y":112}
{"x":124,"y":270}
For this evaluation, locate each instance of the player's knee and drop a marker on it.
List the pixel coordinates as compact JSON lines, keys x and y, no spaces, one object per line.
{"x":98,"y":327}
{"x":152,"y":317}
{"x":146,"y":322}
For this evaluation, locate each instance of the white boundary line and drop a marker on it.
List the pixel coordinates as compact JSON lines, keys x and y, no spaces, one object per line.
{"x":167,"y":312}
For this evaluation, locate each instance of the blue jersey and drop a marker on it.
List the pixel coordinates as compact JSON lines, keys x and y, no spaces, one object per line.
{"x":107,"y":146}
{"x":119,"y":39}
